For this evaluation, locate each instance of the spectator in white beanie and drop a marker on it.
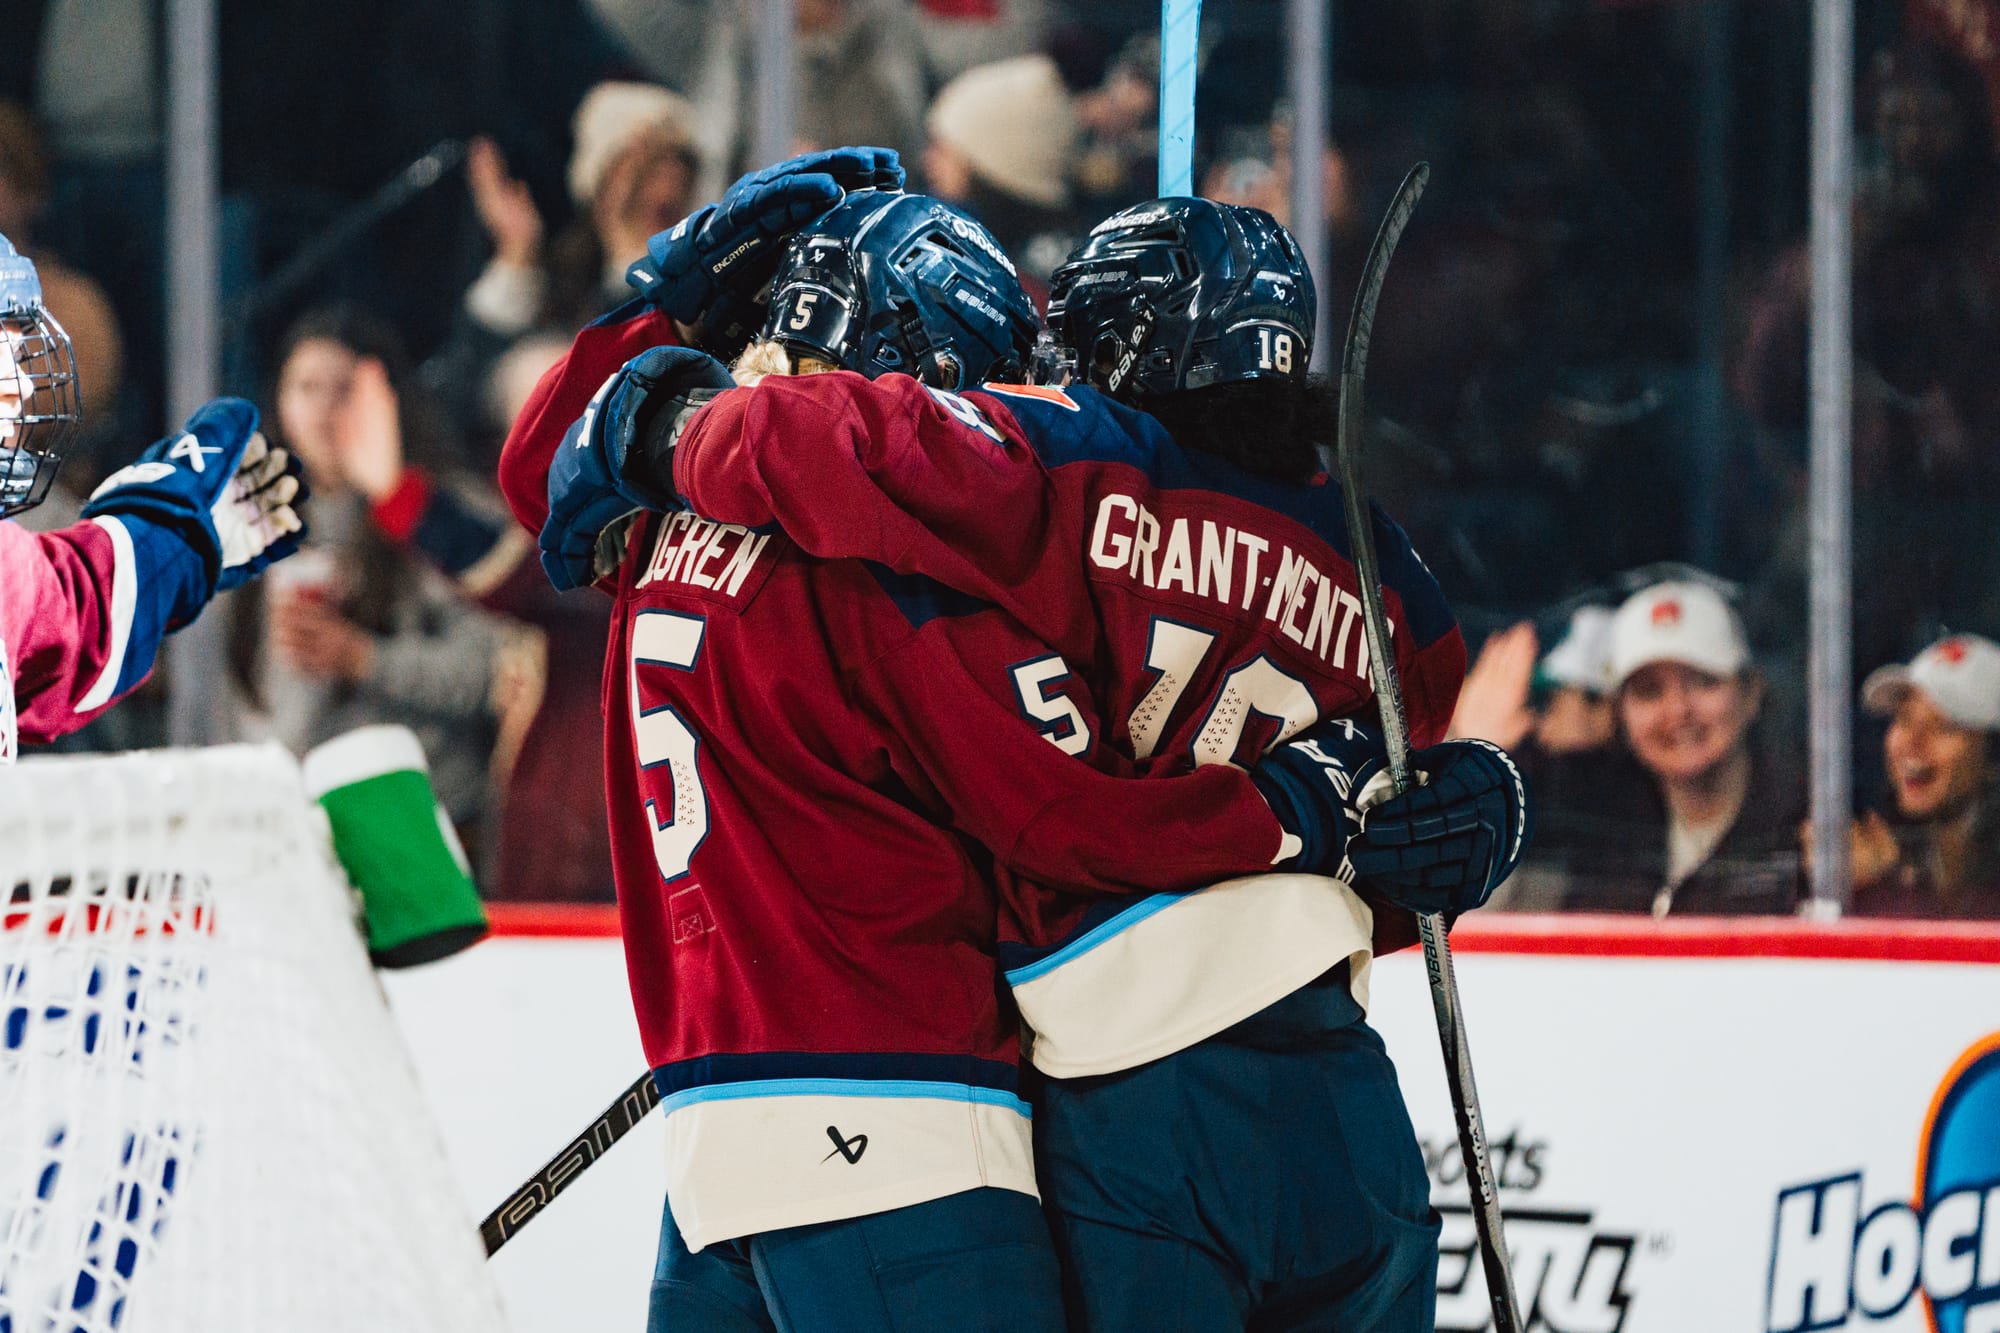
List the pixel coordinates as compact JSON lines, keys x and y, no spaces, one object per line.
{"x":1940,"y":856}
{"x":1003,"y":139}
{"x":632,"y":171}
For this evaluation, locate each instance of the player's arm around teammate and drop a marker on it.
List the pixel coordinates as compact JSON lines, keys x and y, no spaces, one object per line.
{"x":1347,"y":1238}
{"x":83,"y":610}
{"x":757,"y":829}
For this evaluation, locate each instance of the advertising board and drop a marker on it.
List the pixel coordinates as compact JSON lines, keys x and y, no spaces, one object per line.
{"x":1774,"y":1129}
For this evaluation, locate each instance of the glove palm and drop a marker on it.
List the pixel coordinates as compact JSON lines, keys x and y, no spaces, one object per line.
{"x":232,"y":496}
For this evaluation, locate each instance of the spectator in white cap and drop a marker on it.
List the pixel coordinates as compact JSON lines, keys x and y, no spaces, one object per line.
{"x":1683,"y":817}
{"x":1003,"y":139}
{"x":1940,"y":857}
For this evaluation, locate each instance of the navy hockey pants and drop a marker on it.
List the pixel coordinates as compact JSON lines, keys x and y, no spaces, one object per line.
{"x":977,"y":1262}
{"x":1265,"y":1179}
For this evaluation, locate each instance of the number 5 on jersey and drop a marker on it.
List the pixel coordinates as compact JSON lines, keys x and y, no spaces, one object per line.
{"x":667,"y":749}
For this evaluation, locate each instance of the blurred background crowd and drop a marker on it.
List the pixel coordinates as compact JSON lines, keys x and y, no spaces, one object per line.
{"x":1588,"y":386}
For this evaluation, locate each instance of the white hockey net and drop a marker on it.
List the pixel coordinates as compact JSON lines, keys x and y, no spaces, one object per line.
{"x":208,"y":1122}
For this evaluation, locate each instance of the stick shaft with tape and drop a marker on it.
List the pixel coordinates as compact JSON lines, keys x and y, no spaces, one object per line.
{"x":1396,"y":735}
{"x":539,"y":1190}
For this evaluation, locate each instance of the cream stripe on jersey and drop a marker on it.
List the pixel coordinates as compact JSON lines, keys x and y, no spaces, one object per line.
{"x":1186,"y":967}
{"x":124,"y":601}
{"x":751,"y":1157}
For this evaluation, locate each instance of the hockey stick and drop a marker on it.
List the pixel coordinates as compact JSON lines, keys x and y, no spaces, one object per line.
{"x":1396,"y":735}
{"x":1180,"y":31}
{"x":527,"y":1202}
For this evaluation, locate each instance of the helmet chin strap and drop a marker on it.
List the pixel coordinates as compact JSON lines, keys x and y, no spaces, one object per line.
{"x":1144,"y":317}
{"x":932,"y":365}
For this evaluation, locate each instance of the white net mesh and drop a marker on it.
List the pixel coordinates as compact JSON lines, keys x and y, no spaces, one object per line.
{"x":207,"y":1119}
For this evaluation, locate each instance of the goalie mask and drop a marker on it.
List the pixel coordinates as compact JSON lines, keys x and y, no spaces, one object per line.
{"x":887,"y":282}
{"x":1182,"y":294}
{"x":39,"y":403}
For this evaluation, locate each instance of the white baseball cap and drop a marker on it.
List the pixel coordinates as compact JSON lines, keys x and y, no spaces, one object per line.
{"x":1688,"y":623}
{"x":1960,"y":674}
{"x":1582,"y":658}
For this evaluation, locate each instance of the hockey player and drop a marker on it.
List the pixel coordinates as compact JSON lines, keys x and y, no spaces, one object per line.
{"x":83,"y":610}
{"x":1188,"y":563}
{"x":805,"y":759}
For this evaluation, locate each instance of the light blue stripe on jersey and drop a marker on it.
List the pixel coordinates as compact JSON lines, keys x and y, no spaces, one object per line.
{"x":1102,"y":934}
{"x":845,"y":1087}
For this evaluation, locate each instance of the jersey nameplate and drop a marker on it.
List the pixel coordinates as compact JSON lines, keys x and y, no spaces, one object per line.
{"x":1235,"y":569}
{"x":713,"y":558}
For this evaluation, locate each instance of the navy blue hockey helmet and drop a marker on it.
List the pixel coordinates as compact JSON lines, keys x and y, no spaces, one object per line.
{"x":886,"y":281}
{"x":39,"y":403}
{"x":1181,"y":294}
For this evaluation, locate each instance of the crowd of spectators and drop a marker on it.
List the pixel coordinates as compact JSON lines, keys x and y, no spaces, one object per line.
{"x":1591,"y":360}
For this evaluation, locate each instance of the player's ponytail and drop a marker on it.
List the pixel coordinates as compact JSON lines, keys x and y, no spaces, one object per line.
{"x":766,"y":357}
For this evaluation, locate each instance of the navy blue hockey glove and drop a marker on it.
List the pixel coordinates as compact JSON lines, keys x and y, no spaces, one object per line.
{"x":1445,"y":845}
{"x":604,"y":469}
{"x":231,"y":496}
{"x":711,"y":268}
{"x":1313,"y":784}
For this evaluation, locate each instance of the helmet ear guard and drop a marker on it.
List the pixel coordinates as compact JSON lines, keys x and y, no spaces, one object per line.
{"x":1115,"y":370}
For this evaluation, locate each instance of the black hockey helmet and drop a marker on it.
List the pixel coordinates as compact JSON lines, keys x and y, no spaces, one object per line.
{"x":39,"y":402}
{"x":886,"y":281}
{"x":1181,"y":294}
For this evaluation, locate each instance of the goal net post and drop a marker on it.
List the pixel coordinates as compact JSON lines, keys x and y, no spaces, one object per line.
{"x":208,"y":1120}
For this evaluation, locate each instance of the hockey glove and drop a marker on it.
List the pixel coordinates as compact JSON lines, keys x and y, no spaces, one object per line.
{"x":1445,"y":845}
{"x":710,"y":269}
{"x":605,"y":469}
{"x":1314,"y":784}
{"x":231,"y":496}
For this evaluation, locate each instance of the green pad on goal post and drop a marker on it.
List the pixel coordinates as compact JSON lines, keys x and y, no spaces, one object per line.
{"x":397,"y":845}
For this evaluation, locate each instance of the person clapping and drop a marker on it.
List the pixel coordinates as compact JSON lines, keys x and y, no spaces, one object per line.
{"x":1939,"y":856}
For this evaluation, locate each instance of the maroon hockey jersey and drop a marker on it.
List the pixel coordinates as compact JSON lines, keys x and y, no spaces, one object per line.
{"x":813,"y":770}
{"x":1209,"y":614}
